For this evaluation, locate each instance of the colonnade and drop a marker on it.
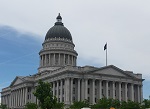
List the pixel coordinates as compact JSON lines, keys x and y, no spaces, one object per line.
{"x":68,"y":90}
{"x":75,"y":89}
{"x":57,"y":59}
{"x":17,"y":98}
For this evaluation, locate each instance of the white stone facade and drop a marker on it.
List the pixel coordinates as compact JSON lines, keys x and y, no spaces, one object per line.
{"x":72,"y":83}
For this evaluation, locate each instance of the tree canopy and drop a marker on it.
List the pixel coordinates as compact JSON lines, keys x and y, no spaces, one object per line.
{"x":45,"y":96}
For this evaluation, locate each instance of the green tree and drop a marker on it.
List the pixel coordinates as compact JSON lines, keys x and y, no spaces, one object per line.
{"x":105,"y":103}
{"x":31,"y":106}
{"x":79,"y":104}
{"x":130,"y":105}
{"x":3,"y":106}
{"x":145,"y":104}
{"x":44,"y":94}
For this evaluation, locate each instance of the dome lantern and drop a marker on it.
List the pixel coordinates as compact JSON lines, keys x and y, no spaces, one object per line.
{"x":59,"y":18}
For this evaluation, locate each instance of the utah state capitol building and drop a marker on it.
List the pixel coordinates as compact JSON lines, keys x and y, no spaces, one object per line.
{"x":71,"y":82}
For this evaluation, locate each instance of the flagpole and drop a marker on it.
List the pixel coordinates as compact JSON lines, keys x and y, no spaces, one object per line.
{"x":106,"y":56}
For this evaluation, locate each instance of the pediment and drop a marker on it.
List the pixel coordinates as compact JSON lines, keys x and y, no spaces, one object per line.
{"x":17,"y":80}
{"x":112,"y":70}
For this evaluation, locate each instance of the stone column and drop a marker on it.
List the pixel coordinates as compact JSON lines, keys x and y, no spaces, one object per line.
{"x":126,"y":98}
{"x":59,"y":60}
{"x":54,"y":60}
{"x":106,"y":89}
{"x":141,"y":93}
{"x":61,"y":87}
{"x":15,"y":98}
{"x":93,"y":91}
{"x":67,"y":91}
{"x":45,"y":59}
{"x":10,"y":100}
{"x":100,"y":89}
{"x":26,"y":95}
{"x":71,"y":90}
{"x":132,"y":92}
{"x":82,"y":89}
{"x":23,"y":103}
{"x":78,"y":89}
{"x":138,"y":94}
{"x":86,"y":88}
{"x":72,"y":61}
{"x":113,"y":89}
{"x":119,"y":91}
{"x":49,"y":59}
{"x":64,"y":59}
{"x":53,"y":88}
{"x":57,"y":95}
{"x":68,"y":60}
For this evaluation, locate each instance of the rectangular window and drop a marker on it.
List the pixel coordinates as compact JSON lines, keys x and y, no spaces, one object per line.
{"x":95,"y":100}
{"x":63,"y":91}
{"x":59,"y":91}
{"x":63,"y":82}
{"x":95,"y":91}
{"x":74,"y":99}
{"x":59,"y":83}
{"x":88,"y":99}
{"x":88,"y":82}
{"x":74,"y":81}
{"x":55,"y":92}
{"x":88,"y":90}
{"x":73,"y":90}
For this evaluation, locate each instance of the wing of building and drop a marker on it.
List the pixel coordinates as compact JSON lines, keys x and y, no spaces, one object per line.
{"x":71,"y":82}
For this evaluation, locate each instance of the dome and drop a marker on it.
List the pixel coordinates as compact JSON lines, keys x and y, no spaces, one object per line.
{"x":58,"y":30}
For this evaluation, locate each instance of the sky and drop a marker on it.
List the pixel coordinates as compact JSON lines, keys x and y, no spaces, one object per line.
{"x":123,"y":24}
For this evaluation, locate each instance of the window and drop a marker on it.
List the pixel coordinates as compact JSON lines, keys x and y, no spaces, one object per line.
{"x":73,"y":81}
{"x":55,"y":92}
{"x":108,"y":92}
{"x":62,"y":99}
{"x":95,"y":100}
{"x":109,"y":84}
{"x":95,"y":91}
{"x":88,"y":90}
{"x":73,"y":90}
{"x":59,"y":91}
{"x":59,"y":83}
{"x":88,"y":82}
{"x":63,"y":82}
{"x":88,"y":99}
{"x":63,"y":91}
{"x":74,"y":99}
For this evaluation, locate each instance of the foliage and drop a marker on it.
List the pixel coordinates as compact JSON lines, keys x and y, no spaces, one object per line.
{"x":130,"y":105}
{"x":3,"y":106}
{"x":79,"y":104}
{"x":31,"y":106}
{"x":105,"y":103}
{"x":45,"y":96}
{"x":146,"y":104}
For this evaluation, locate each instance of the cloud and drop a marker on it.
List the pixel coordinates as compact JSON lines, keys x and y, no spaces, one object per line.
{"x":124,"y":25}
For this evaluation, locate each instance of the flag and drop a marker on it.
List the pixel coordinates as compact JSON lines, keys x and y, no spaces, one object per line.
{"x":105,"y":47}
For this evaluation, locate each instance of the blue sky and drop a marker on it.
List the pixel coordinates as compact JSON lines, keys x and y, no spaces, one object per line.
{"x":124,"y":25}
{"x":19,"y":56}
